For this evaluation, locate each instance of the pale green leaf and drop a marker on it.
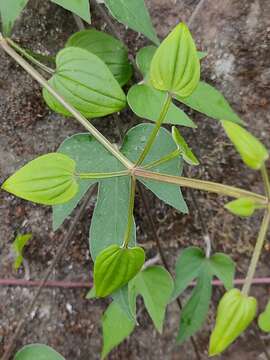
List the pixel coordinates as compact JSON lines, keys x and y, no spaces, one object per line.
{"x":78,"y":7}
{"x":18,"y":245}
{"x":264,"y":319}
{"x":134,"y":14}
{"x":9,"y":11}
{"x":133,"y":145}
{"x":155,"y":285}
{"x":107,"y":48}
{"x":175,"y":66}
{"x":186,"y":152}
{"x":48,"y":179}
{"x":147,"y":102}
{"x":86,"y":83}
{"x":116,"y":326}
{"x":241,"y":206}
{"x":223,"y":267}
{"x":38,"y":352}
{"x":209,"y":101}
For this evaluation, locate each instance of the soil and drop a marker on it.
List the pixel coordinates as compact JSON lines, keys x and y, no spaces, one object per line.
{"x":236,"y":35}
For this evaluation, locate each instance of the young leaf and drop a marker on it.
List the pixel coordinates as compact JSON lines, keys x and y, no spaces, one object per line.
{"x":155,"y":285}
{"x":86,"y":83}
{"x":188,"y":267}
{"x":186,"y":152}
{"x":175,"y":67}
{"x":38,"y":352}
{"x":90,"y":156}
{"x":134,"y":14}
{"x":133,"y":145}
{"x":146,"y":102}
{"x":241,"y":207}
{"x":18,"y":245}
{"x":195,"y":310}
{"x":115,"y":266}
{"x":78,"y":7}
{"x":223,"y":267}
{"x":107,"y":48}
{"x":9,"y":11}
{"x":209,"y":101}
{"x":116,"y":326}
{"x":264,"y":319}
{"x":251,"y":150}
{"x":48,"y":179}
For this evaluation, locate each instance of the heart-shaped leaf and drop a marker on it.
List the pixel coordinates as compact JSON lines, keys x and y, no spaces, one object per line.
{"x":175,"y":67}
{"x":115,"y":266}
{"x":264,"y":319}
{"x":86,"y":83}
{"x":48,"y":179}
{"x":107,"y":48}
{"x":241,"y":207}
{"x":186,"y":152}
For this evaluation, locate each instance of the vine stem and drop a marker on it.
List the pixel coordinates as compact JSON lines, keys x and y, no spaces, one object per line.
{"x":257,"y":251}
{"x":130,"y":211}
{"x":77,"y":115}
{"x":155,"y":131}
{"x":201,"y":185}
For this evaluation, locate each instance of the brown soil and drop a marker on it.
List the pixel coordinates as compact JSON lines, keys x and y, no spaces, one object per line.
{"x":236,"y":35}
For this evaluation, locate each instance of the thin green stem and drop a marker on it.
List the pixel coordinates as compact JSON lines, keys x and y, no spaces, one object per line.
{"x":30,"y":57}
{"x":155,"y":131}
{"x":257,"y":251}
{"x":130,"y":211}
{"x":164,"y":159}
{"x":201,"y":185}
{"x":77,"y":115}
{"x":266,"y":180}
{"x":102,"y":175}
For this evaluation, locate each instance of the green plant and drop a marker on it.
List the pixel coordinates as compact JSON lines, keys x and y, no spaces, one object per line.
{"x":150,"y":155}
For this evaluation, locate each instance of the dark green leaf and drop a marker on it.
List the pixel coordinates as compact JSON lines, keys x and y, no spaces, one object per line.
{"x":107,"y":48}
{"x":18,"y":245}
{"x":86,"y":83}
{"x":126,"y":300}
{"x":134,"y":14}
{"x":48,"y":179}
{"x":38,"y":352}
{"x":133,"y":145}
{"x":78,"y":7}
{"x":116,"y":326}
{"x":188,"y":266}
{"x":147,"y":102}
{"x":223,"y":267}
{"x":209,"y":101}
{"x":9,"y":11}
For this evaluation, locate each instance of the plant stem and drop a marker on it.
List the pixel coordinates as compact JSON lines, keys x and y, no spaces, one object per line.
{"x":257,"y":251}
{"x":130,"y":211}
{"x":29,"y":57}
{"x":201,"y":185}
{"x":266,"y":180}
{"x":154,"y":133}
{"x":77,"y":115}
{"x":102,"y":175}
{"x":164,"y":159}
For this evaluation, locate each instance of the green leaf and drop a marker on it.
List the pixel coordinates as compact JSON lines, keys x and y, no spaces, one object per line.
{"x":38,"y":352}
{"x":188,"y":267}
{"x":195,"y":310}
{"x":241,"y":207}
{"x":107,"y":48}
{"x":209,"y":101}
{"x":146,"y":102}
{"x":134,"y":14}
{"x":223,"y":267}
{"x":133,"y":145}
{"x":116,"y":326}
{"x":78,"y":7}
{"x":264,"y":319}
{"x":186,"y":152}
{"x":251,"y":150}
{"x":86,"y":83}
{"x":91,"y":294}
{"x":48,"y":179}
{"x":9,"y":11}
{"x":90,"y":156}
{"x":155,"y":285}
{"x":175,"y":67}
{"x":18,"y":245}
{"x":115,"y":266}
{"x":126,"y":300}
